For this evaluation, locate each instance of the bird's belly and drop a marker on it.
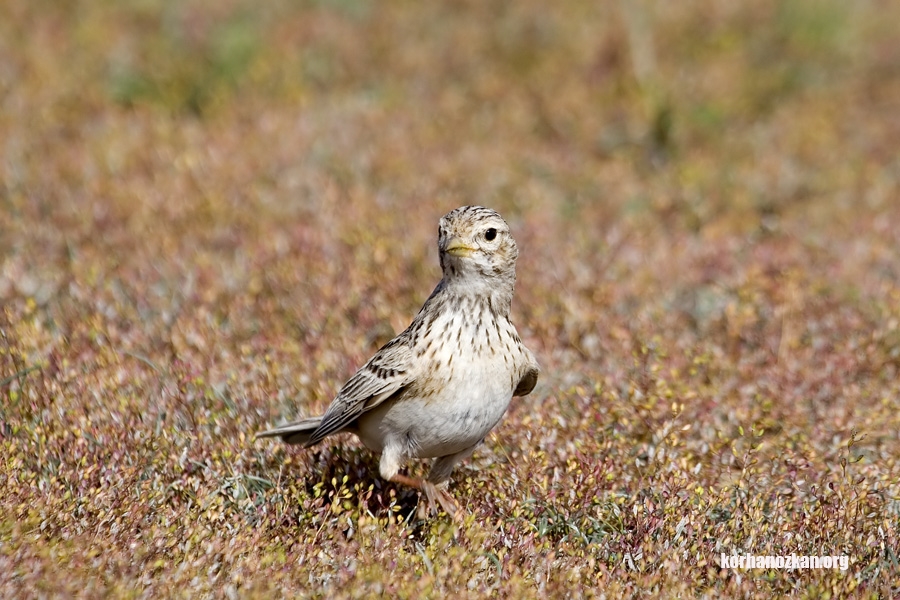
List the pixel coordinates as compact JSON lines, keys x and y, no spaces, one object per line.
{"x":445,"y":421}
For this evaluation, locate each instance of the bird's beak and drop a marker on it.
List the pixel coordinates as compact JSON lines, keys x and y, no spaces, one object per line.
{"x":456,"y":247}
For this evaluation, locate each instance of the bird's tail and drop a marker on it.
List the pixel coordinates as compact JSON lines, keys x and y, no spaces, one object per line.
{"x":297,"y":432}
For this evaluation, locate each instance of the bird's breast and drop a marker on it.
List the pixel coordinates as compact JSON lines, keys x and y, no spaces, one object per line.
{"x":469,"y":368}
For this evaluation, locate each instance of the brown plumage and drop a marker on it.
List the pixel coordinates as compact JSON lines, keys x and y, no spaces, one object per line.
{"x":439,"y":387}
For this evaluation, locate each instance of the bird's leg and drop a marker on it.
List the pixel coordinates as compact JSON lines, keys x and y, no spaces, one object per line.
{"x":434,"y":495}
{"x":434,"y":488}
{"x":407,"y":481}
{"x":443,"y":466}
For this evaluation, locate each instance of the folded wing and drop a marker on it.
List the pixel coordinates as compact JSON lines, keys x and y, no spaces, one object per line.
{"x":385,"y":375}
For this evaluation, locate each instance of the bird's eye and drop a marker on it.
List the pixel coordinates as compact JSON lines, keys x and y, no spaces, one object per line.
{"x":490,"y":234}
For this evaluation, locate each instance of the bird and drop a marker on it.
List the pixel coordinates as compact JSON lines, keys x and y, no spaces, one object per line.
{"x":438,"y":388}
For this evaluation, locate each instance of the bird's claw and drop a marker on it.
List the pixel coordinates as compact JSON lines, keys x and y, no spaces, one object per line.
{"x":435,"y":496}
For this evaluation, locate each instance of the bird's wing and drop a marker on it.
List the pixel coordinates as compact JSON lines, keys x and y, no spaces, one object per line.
{"x":527,"y":382}
{"x":385,"y":375}
{"x":529,"y":378}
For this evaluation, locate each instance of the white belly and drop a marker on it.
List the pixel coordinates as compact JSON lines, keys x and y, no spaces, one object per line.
{"x":443,"y":419}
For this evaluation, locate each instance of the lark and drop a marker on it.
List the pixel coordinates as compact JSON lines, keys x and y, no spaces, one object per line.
{"x":439,"y":387}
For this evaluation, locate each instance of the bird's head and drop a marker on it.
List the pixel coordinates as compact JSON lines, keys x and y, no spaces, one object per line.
{"x":476,"y":248}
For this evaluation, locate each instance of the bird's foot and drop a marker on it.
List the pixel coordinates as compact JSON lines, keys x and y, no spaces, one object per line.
{"x":434,"y":495}
{"x":439,"y":495}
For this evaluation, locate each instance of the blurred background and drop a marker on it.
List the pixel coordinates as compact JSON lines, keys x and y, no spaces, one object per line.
{"x":161,"y":153}
{"x":211,"y":212}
